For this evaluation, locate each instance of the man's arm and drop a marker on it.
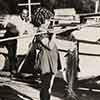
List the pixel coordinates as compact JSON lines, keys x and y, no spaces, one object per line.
{"x":11,"y":28}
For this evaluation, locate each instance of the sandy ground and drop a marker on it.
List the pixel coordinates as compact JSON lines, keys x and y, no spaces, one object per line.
{"x":27,"y":89}
{"x":19,"y":90}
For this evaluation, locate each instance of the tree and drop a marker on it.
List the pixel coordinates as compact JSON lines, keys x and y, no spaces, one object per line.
{"x":8,"y":6}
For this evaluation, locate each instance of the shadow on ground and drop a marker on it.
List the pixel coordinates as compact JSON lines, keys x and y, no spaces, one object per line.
{"x":7,"y":93}
{"x":59,"y":84}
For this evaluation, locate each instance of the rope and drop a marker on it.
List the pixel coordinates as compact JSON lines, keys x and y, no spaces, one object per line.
{"x":20,"y":37}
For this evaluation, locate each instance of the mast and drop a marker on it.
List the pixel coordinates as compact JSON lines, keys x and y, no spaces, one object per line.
{"x":29,"y":8}
{"x":96,"y":6}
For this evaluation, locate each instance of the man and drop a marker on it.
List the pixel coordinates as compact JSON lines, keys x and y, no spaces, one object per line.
{"x":16,"y":25}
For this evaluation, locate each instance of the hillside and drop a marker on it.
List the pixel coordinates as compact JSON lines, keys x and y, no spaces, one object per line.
{"x":81,"y":6}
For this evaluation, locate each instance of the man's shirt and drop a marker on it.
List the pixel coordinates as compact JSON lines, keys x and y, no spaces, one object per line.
{"x":21,"y":25}
{"x":24,"y":28}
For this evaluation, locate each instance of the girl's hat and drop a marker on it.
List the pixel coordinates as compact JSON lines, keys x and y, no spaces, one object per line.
{"x":40,"y":15}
